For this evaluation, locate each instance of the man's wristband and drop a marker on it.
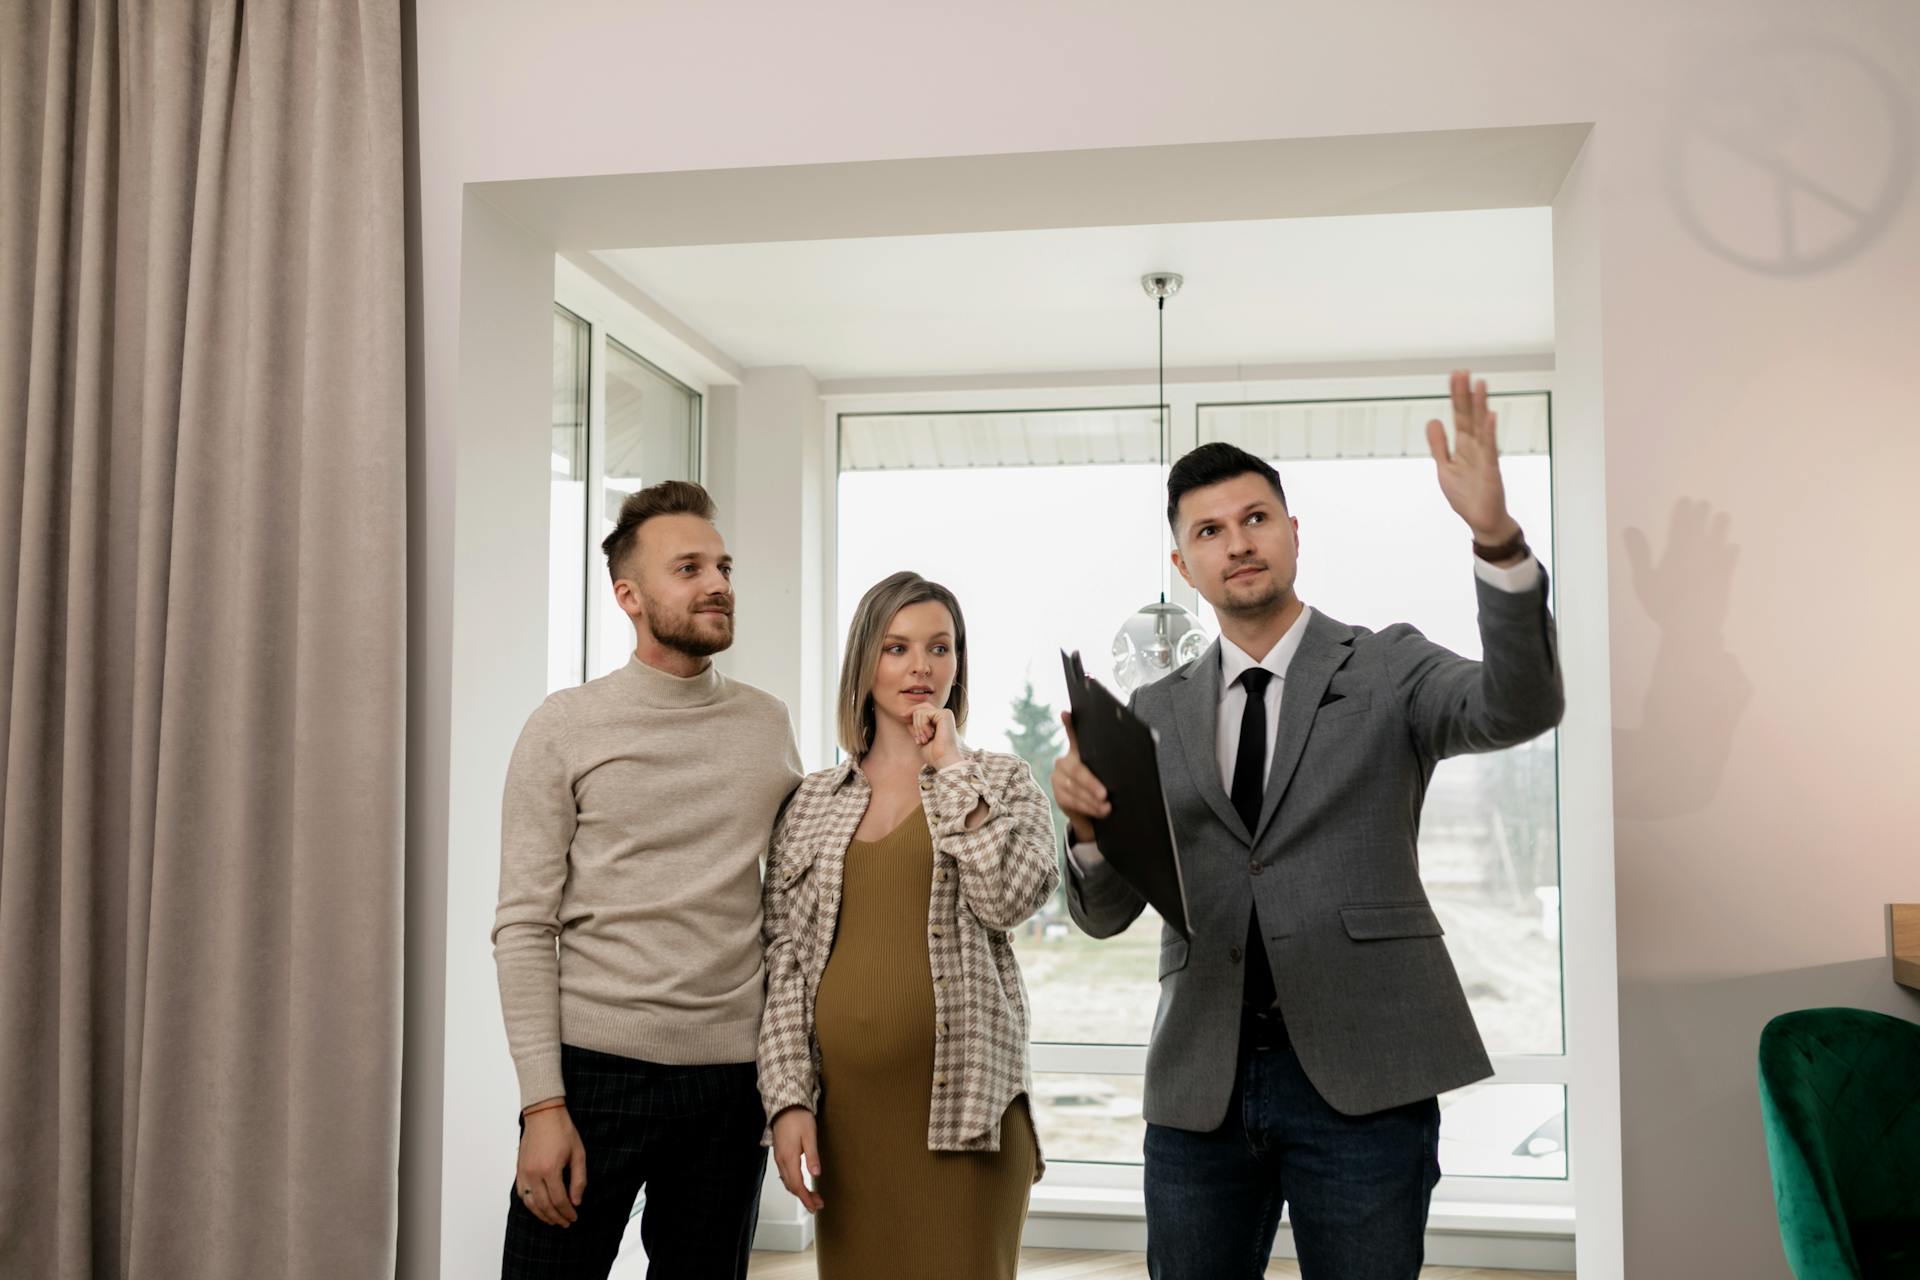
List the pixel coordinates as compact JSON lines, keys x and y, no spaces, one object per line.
{"x":1513,"y":548}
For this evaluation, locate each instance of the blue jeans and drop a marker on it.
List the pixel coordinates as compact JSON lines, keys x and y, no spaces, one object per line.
{"x":1358,"y":1186}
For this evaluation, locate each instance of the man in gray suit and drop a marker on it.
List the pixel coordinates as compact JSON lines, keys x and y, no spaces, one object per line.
{"x":1305,"y":1033}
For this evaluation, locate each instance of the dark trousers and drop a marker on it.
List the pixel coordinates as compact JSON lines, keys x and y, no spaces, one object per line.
{"x":689,"y":1135}
{"x":1357,"y":1186}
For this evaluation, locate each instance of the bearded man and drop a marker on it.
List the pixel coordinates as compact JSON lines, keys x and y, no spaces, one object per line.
{"x":637,"y":810}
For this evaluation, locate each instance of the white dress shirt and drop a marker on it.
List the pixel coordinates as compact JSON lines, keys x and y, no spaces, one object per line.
{"x":1235,"y":662}
{"x":1233,"y":695}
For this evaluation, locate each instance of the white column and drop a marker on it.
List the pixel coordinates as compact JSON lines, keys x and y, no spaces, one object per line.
{"x":767,"y":465}
{"x":765,"y":460}
{"x":1586,"y":734}
{"x":496,"y":663}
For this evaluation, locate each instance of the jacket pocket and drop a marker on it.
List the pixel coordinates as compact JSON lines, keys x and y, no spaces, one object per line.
{"x":790,"y":871}
{"x":1340,"y":708}
{"x":1173,"y":956}
{"x":1392,"y":920}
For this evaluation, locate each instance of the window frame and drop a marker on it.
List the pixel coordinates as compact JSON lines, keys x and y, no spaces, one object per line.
{"x":612,"y":319}
{"x":587,"y":372}
{"x":600,"y":601}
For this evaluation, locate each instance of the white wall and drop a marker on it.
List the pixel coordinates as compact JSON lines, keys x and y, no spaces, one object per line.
{"x":497,"y":643}
{"x":1761,"y":690}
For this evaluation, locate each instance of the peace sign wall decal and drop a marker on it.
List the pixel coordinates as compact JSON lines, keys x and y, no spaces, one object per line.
{"x":1790,"y":156}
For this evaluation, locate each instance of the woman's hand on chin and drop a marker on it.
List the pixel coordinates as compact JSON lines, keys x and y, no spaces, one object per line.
{"x":937,"y":736}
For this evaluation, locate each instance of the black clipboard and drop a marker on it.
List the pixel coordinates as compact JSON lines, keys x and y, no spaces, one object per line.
{"x":1137,"y":837}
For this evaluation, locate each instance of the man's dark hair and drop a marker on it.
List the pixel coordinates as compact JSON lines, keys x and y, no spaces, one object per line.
{"x":1210,"y":464}
{"x":668,"y":498}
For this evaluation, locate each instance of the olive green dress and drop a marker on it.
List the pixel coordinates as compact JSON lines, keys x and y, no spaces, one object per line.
{"x":892,"y":1207}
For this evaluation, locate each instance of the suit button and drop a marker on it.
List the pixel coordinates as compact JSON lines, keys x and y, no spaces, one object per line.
{"x":1233,"y":953}
{"x":1255,"y":867}
{"x":941,"y":983}
{"x":936,"y":931}
{"x":940,"y":1081}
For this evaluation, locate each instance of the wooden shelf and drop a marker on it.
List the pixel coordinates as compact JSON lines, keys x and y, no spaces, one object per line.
{"x":1903,"y":920}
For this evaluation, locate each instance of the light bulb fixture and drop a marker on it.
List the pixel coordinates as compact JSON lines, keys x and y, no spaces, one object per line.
{"x":1159,"y":638}
{"x":1161,"y":285}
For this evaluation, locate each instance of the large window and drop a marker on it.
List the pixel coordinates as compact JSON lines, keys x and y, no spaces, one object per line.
{"x":619,"y":424}
{"x":1025,"y":530}
{"x":1049,"y":526}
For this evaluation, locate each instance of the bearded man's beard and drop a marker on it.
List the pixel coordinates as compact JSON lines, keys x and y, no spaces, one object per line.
{"x":685,"y":633}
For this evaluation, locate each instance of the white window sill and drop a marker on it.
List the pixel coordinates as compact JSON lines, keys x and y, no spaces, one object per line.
{"x":1459,"y":1232}
{"x":1127,"y":1205}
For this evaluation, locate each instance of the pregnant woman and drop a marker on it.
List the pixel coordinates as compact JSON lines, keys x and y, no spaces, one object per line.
{"x":893,"y":1056}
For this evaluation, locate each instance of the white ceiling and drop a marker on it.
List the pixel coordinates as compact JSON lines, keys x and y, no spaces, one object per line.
{"x":1257,"y":293}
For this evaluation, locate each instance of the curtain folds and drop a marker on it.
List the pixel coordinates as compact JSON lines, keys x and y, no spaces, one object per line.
{"x":202,"y":637}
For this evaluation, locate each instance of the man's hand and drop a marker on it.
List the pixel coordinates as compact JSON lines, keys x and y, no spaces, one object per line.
{"x":1470,"y":473}
{"x":797,"y":1139}
{"x":553,"y":1167}
{"x":1075,"y":789}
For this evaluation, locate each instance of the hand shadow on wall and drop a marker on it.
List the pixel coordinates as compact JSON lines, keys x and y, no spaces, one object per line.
{"x":1673,"y":761}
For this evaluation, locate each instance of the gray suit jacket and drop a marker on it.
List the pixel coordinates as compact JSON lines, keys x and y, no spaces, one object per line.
{"x":1369,"y":994}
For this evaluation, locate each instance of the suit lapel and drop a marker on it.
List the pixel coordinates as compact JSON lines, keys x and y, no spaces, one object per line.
{"x":1196,"y":711}
{"x":1324,"y":649}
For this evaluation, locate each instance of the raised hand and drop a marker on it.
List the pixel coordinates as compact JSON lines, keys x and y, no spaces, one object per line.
{"x":1470,"y":471}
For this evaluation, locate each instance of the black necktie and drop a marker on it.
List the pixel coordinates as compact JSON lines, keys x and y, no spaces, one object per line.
{"x":1249,"y":786}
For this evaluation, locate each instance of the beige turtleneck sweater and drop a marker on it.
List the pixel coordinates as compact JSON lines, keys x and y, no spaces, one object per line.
{"x":638,"y":808}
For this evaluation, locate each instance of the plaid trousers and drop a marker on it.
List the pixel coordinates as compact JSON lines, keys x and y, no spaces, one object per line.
{"x":689,"y":1135}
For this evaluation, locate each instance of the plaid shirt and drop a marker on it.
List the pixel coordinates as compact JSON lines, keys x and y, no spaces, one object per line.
{"x":1001,"y":872}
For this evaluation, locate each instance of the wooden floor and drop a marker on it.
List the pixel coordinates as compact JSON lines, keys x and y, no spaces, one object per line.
{"x":1086,"y":1264}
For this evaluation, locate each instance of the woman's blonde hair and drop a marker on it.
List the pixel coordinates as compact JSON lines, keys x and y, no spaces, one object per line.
{"x":865,"y":637}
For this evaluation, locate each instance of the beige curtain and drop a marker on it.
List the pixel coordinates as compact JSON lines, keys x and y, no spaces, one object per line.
{"x":202,"y":632}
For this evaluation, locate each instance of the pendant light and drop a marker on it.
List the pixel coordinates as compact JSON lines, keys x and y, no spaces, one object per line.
{"x":1159,"y":638}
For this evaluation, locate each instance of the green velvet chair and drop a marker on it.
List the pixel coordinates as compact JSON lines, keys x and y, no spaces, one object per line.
{"x":1840,"y":1090}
